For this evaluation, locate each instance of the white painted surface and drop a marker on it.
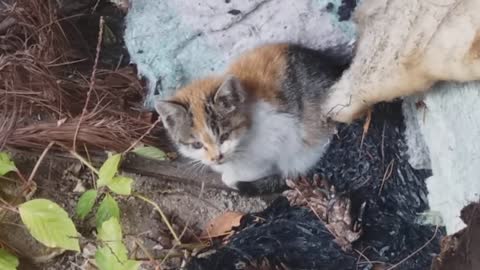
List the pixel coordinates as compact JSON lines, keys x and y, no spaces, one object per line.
{"x":450,"y":126}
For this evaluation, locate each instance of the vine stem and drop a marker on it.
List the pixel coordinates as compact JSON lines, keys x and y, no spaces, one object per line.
{"x":164,"y":217}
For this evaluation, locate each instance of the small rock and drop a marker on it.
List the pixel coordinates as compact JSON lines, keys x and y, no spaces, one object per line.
{"x":89,"y":250}
{"x":79,"y":188}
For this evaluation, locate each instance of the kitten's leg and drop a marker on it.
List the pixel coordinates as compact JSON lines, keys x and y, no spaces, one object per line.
{"x":245,"y":174}
{"x":229,"y":180}
{"x":265,"y":185}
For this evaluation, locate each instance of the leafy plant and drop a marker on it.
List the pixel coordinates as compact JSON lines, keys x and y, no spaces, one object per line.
{"x":48,"y":223}
{"x":113,"y":254}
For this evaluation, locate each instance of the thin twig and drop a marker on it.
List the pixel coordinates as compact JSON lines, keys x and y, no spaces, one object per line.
{"x":90,"y":162}
{"x":79,"y":157}
{"x":388,"y":172}
{"x":152,"y":260}
{"x":39,"y":161}
{"x":416,"y":251}
{"x":92,"y":81}
{"x":143,"y":136}
{"x":164,"y":217}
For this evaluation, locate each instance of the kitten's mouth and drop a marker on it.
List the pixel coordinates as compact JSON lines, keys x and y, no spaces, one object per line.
{"x":220,"y":162}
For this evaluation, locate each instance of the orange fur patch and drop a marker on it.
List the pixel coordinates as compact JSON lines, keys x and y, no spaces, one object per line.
{"x":261,"y":70}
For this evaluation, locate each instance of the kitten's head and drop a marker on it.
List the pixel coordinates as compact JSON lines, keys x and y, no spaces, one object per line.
{"x":207,"y":119}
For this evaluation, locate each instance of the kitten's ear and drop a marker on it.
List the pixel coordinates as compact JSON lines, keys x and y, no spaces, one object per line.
{"x":173,"y":114}
{"x":230,"y":94}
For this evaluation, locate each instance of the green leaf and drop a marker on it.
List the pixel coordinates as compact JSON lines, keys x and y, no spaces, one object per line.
{"x":6,"y":164}
{"x":108,"y":208}
{"x":113,"y":254}
{"x":8,"y":261}
{"x":111,"y":236}
{"x":131,"y":265}
{"x":108,"y":170}
{"x":107,"y":261}
{"x":49,"y":223}
{"x":150,"y":152}
{"x":85,"y":203}
{"x":104,"y":258}
{"x":121,"y":185}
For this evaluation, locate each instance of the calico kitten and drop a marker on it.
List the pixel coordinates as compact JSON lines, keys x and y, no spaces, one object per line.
{"x":261,"y":119}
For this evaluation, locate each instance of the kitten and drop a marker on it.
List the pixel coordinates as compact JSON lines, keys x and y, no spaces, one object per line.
{"x":261,"y":119}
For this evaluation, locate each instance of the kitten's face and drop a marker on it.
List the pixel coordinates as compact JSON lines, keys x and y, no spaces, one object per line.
{"x":207,"y":121}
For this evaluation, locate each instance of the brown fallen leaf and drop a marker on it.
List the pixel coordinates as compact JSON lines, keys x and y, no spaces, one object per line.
{"x":221,"y":225}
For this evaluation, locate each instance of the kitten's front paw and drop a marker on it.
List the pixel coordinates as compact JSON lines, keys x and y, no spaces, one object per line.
{"x":230,"y":182}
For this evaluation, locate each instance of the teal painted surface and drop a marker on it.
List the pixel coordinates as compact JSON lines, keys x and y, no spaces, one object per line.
{"x":347,"y":27}
{"x":180,"y":55}
{"x":171,"y":41}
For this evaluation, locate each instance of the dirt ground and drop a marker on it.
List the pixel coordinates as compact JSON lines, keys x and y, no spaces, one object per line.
{"x":461,"y":250}
{"x":186,"y":203}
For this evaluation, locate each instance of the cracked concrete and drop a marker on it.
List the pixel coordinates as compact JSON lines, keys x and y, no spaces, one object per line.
{"x":173,"y":42}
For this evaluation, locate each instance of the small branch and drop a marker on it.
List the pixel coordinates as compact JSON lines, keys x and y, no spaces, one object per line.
{"x":151,"y":259}
{"x":388,"y":172}
{"x":79,"y":157}
{"x":39,"y":161}
{"x":143,"y":136}
{"x":20,"y":175}
{"x":164,"y":217}
{"x":416,"y":251}
{"x":92,"y":82}
{"x":7,"y":206}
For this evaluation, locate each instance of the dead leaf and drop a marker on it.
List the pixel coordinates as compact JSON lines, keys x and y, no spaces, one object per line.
{"x":221,"y":225}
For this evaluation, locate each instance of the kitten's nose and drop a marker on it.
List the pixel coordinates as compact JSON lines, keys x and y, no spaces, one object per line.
{"x":218,"y":158}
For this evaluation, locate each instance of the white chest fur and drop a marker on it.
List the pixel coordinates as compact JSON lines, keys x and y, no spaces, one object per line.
{"x":274,"y":145}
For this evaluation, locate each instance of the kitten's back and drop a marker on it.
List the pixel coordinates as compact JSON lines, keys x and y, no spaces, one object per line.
{"x":289,"y":75}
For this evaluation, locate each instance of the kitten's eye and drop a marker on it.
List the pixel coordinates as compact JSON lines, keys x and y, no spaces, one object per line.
{"x":197,"y":145}
{"x":224,"y":137}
